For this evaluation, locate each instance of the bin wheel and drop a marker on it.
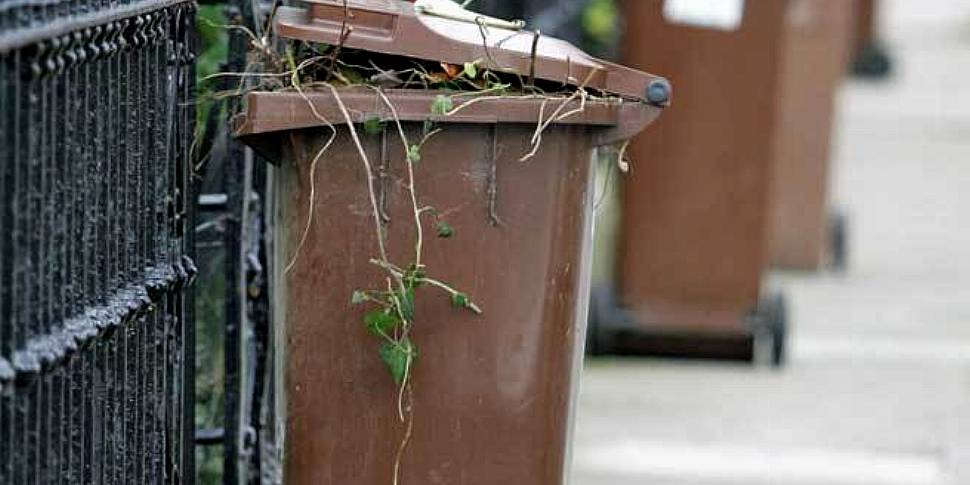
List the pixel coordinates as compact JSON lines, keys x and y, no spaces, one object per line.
{"x":773,"y":329}
{"x":838,"y":242}
{"x":872,"y":62}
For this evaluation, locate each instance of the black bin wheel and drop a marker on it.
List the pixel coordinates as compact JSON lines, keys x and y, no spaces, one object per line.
{"x":772,"y":328}
{"x":872,"y":63}
{"x":838,"y":242}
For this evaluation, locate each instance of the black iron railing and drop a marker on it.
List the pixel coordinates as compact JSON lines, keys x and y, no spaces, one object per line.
{"x":95,"y":340}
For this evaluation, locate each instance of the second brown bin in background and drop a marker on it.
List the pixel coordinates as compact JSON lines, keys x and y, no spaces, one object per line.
{"x":694,"y":240}
{"x":733,"y":179}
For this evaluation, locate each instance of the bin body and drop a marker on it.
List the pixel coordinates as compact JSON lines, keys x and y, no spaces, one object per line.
{"x":491,"y":392}
{"x":864,"y":33}
{"x":695,"y":205}
{"x":815,"y":53}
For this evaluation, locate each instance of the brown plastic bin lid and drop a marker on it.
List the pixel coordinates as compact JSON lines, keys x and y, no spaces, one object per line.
{"x":440,"y":30}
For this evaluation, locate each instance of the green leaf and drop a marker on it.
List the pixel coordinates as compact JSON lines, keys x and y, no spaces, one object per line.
{"x":459,"y":300}
{"x":498,"y":89}
{"x":441,"y":105}
{"x":373,"y":126}
{"x":471,"y":70}
{"x":353,"y":76}
{"x":414,"y":154}
{"x":427,"y":127}
{"x":445,"y":230}
{"x":358,"y":297}
{"x":398,"y":357}
{"x":406,"y":301}
{"x":416,"y":272}
{"x":381,"y":322}
{"x":413,"y":276}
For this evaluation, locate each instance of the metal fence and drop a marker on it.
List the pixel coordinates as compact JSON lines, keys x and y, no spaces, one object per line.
{"x":237,"y":440}
{"x":106,"y":191}
{"x":95,"y":340}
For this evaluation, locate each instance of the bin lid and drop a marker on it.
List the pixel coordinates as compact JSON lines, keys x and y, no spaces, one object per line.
{"x":441,"y":30}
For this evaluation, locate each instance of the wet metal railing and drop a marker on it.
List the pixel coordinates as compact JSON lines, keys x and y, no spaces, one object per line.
{"x":95,"y":337}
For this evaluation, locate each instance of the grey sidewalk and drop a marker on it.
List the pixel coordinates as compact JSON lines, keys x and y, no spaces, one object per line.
{"x":878,"y":389}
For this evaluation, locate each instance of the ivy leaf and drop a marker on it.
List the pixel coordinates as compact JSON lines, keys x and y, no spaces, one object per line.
{"x":471,"y":70}
{"x":353,"y":76}
{"x":459,"y":300}
{"x":398,"y":357}
{"x":441,"y":105}
{"x":381,"y":322}
{"x":445,"y":230}
{"x":413,"y":276}
{"x":406,"y":301}
{"x":499,"y":89}
{"x":416,"y":272}
{"x":414,"y":154}
{"x":427,"y":127}
{"x":358,"y":297}
{"x":373,"y":126}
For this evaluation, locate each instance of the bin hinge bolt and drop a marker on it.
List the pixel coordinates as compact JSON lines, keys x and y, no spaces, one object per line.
{"x":658,"y":92}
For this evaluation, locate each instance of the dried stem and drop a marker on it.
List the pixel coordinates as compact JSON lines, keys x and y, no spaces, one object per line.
{"x":295,"y":81}
{"x":405,"y":329}
{"x":621,"y":157}
{"x":310,"y":204}
{"x":419,"y":237}
{"x":605,"y":189}
{"x":558,"y":115}
{"x":345,"y":31}
{"x":407,"y":436}
{"x":470,"y":102}
{"x":493,"y":180}
{"x":378,"y":226}
{"x":431,"y":281}
{"x":260,"y":74}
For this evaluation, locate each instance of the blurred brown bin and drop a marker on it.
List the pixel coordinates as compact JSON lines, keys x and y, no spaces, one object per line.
{"x":695,"y":227}
{"x":492,"y":393}
{"x":806,"y":233}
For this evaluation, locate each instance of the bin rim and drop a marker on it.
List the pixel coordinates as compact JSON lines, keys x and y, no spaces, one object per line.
{"x":266,"y":112}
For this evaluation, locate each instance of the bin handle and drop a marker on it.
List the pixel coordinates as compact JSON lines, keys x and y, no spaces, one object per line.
{"x":450,"y":10}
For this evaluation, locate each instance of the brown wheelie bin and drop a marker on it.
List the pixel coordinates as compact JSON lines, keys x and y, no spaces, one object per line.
{"x":492,"y":394}
{"x":694,"y":235}
{"x":806,"y":233}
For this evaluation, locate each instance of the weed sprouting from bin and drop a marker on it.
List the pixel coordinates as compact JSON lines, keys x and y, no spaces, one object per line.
{"x":392,"y":305}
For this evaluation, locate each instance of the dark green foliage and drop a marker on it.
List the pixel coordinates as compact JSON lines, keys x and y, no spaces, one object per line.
{"x":398,"y":356}
{"x":445,"y":230}
{"x":441,"y":105}
{"x":459,"y":300}
{"x":405,"y":302}
{"x":373,"y":126}
{"x":381,"y":322}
